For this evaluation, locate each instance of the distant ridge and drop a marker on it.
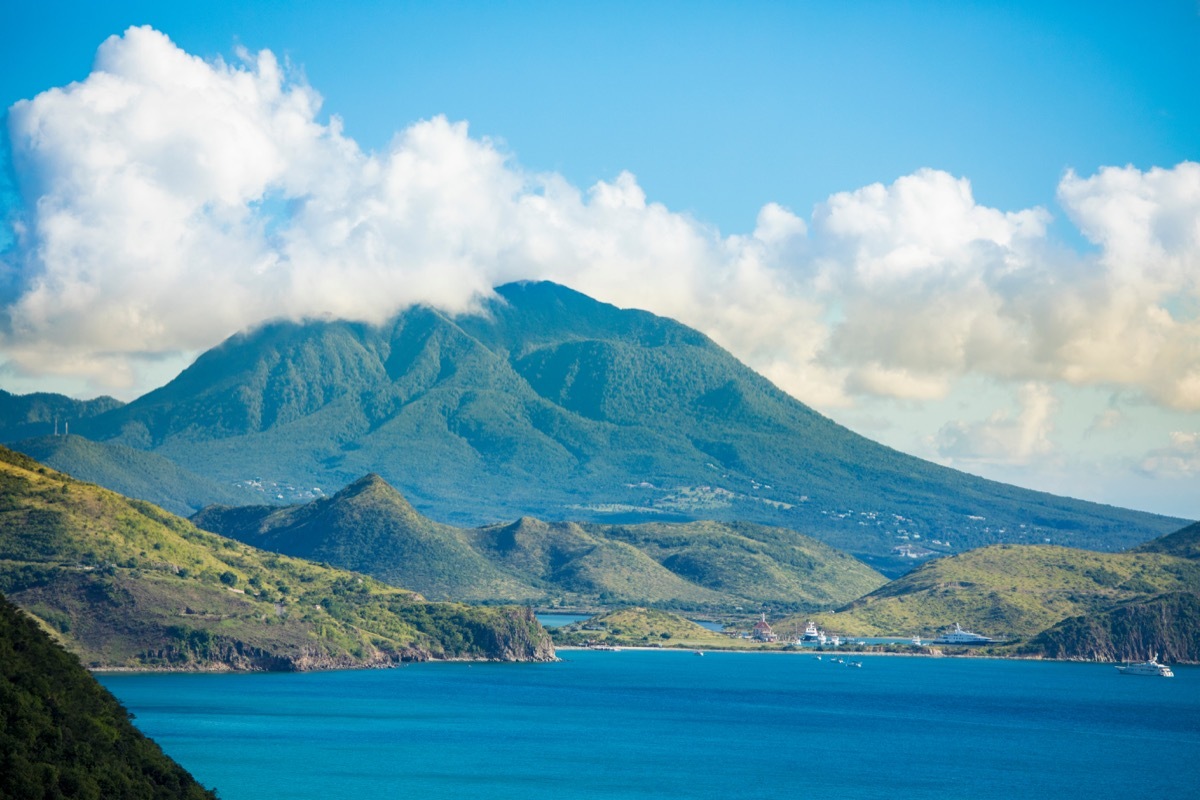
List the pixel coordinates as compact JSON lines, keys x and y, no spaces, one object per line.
{"x":368,"y":526}
{"x":554,"y":405}
{"x":133,"y":473}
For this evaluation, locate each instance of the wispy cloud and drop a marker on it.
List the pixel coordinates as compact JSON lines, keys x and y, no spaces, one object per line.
{"x":170,"y":201}
{"x":1005,"y":437}
{"x":1179,"y":459}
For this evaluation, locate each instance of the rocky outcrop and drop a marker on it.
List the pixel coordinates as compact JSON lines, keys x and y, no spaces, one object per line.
{"x":1168,"y":624}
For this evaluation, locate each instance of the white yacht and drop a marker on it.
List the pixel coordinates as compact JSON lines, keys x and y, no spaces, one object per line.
{"x":1151,"y":667}
{"x":811,"y":634}
{"x":959,"y":636}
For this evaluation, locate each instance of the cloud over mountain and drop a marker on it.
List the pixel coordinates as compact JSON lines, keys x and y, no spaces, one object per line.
{"x":170,"y":201}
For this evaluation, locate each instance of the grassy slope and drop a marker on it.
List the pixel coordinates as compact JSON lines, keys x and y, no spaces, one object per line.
{"x":634,"y":627}
{"x":124,"y":583}
{"x":713,"y":566}
{"x":63,"y":735}
{"x":1011,"y":590}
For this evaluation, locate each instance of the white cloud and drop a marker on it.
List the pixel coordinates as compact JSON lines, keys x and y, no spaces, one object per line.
{"x":1179,"y":459}
{"x":171,"y":201}
{"x":1005,"y":437}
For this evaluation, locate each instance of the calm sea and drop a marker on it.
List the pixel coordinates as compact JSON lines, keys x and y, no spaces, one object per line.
{"x":631,"y":724}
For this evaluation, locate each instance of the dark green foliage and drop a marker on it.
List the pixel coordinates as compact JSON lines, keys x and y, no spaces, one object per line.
{"x":551,"y":404}
{"x":63,"y":735}
{"x":25,"y":416}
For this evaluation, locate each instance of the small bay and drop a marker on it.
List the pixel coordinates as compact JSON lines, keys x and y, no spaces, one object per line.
{"x":669,"y":724}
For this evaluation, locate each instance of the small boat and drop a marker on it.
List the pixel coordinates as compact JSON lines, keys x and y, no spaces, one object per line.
{"x":854,"y":664}
{"x":698,"y":652}
{"x":1151,"y":667}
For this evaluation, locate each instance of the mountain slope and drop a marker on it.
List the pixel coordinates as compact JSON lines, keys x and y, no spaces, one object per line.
{"x":1184,"y":543}
{"x":133,"y":473}
{"x":551,"y":404}
{"x":368,"y":526}
{"x":1012,"y":590}
{"x":43,"y":413}
{"x":64,"y":735}
{"x":124,"y":583}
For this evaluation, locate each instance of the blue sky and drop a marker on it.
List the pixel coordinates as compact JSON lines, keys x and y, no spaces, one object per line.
{"x":748,"y":138}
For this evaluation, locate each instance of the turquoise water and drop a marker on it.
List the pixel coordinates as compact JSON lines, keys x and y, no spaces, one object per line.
{"x":558,"y":620}
{"x":632,"y":724}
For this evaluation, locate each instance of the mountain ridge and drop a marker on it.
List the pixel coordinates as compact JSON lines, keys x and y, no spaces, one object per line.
{"x":367,"y":526}
{"x":551,"y":404}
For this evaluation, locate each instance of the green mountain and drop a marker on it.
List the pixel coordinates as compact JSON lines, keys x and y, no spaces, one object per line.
{"x":124,"y":583}
{"x":1008,"y":591}
{"x":133,"y":473}
{"x":551,"y":404}
{"x":64,"y":735}
{"x":370,"y":527}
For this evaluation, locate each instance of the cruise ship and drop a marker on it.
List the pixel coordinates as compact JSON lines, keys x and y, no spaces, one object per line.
{"x":1151,"y":667}
{"x":959,"y":636}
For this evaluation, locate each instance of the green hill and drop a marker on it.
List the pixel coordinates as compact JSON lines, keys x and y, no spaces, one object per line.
{"x":368,"y":526}
{"x":1184,"y":543}
{"x":1010,"y":591}
{"x":63,"y":735}
{"x":551,"y":404}
{"x":133,"y":473}
{"x":124,"y":583}
{"x":641,"y":627}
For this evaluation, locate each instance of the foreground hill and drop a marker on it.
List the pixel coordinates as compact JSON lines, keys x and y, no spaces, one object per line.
{"x":552,"y":404}
{"x":63,"y":735}
{"x":124,"y":583}
{"x":370,"y":527}
{"x":1009,"y":591}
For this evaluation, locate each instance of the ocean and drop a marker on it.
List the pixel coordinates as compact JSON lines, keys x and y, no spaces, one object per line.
{"x":668,"y":724}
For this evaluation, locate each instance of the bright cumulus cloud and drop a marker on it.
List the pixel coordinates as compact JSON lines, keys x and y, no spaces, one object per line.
{"x":170,"y":201}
